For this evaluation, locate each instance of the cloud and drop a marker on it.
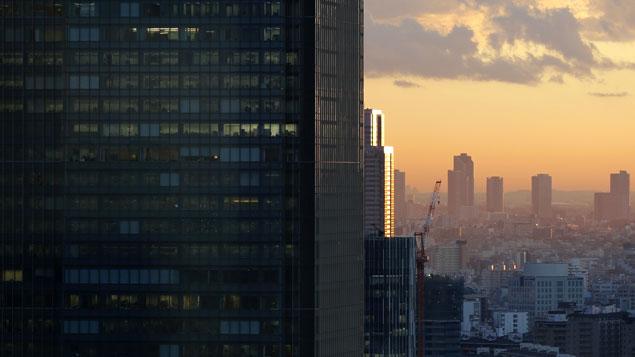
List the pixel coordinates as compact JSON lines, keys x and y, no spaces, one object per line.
{"x":615,"y":20}
{"x":516,"y":41}
{"x":405,"y":84}
{"x":407,"y":48}
{"x":609,"y":94}
{"x":558,"y":30}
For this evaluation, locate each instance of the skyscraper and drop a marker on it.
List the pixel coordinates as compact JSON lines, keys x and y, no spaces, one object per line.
{"x":621,"y":192}
{"x":390,"y":297}
{"x":541,"y":195}
{"x":461,"y":184}
{"x":401,"y":203}
{"x":495,"y":192}
{"x":443,"y":313}
{"x":379,"y":177}
{"x":175,"y":176}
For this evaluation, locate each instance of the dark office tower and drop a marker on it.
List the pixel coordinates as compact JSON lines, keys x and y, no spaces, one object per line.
{"x":389,"y":326}
{"x":621,"y":192}
{"x":176,"y":176}
{"x":495,"y":192}
{"x":541,"y":195}
{"x":461,"y":185}
{"x":400,"y":201}
{"x":442,"y":316}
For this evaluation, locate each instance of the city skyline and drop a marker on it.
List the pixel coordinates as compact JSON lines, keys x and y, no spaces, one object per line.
{"x":576,"y":125}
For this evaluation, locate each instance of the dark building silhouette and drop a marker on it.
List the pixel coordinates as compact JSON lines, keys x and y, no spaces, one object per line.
{"x":401,"y":203}
{"x":442,"y":316}
{"x":181,"y":178}
{"x":390,"y":294}
{"x":593,"y":334}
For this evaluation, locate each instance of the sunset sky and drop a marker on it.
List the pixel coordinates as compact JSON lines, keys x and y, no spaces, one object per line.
{"x":524,"y":86}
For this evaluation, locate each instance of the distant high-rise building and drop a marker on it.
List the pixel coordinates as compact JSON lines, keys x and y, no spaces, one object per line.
{"x":379,"y":177}
{"x":616,"y":203}
{"x":541,"y":188}
{"x":461,"y":184}
{"x":390,"y":295}
{"x":621,"y":191}
{"x":495,"y":192}
{"x":604,"y":206}
{"x":401,"y":203}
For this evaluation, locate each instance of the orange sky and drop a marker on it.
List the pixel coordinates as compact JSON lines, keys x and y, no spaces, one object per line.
{"x":512,"y":130}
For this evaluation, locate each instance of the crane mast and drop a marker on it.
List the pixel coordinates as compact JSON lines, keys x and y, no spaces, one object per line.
{"x":421,"y":259}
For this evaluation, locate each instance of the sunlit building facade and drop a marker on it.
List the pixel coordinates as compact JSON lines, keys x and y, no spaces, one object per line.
{"x":175,"y":177}
{"x":379,"y":177}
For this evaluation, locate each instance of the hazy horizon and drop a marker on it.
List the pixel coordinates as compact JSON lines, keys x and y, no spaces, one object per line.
{"x":524,"y":87}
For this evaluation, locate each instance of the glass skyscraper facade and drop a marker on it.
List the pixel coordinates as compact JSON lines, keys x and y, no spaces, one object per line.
{"x":389,"y":326}
{"x":181,"y":178}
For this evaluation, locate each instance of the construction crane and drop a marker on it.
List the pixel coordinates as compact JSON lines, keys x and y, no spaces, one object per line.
{"x":421,"y":259}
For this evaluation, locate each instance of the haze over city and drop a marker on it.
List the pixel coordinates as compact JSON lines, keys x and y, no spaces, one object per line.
{"x":523,"y":86}
{"x":317,"y":178}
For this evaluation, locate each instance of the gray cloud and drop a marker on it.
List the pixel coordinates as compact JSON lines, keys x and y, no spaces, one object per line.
{"x":407,"y":48}
{"x":616,"y":23}
{"x":405,"y":84}
{"x":397,"y":44}
{"x":389,"y":9}
{"x":609,"y":94}
{"x":558,"y":30}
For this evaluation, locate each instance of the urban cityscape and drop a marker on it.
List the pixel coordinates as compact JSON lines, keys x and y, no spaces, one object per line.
{"x":218,"y":178}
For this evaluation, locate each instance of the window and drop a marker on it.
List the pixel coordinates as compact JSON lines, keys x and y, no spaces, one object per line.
{"x":152,"y":9}
{"x":84,"y":82}
{"x":84,"y":9}
{"x":271,"y":34}
{"x":83,"y":34}
{"x":149,"y":130}
{"x":190,"y":106}
{"x":169,"y":351}
{"x":169,"y":180}
{"x":162,"y":33}
{"x":190,"y":34}
{"x":12,"y":275}
{"x":81,"y":327}
{"x":129,"y":227}
{"x":129,"y":9}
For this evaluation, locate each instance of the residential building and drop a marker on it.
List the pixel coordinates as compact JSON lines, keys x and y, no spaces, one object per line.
{"x":461,"y":185}
{"x":495,"y":192}
{"x":509,"y":323}
{"x":541,"y":287}
{"x":541,"y":191}
{"x":621,"y":191}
